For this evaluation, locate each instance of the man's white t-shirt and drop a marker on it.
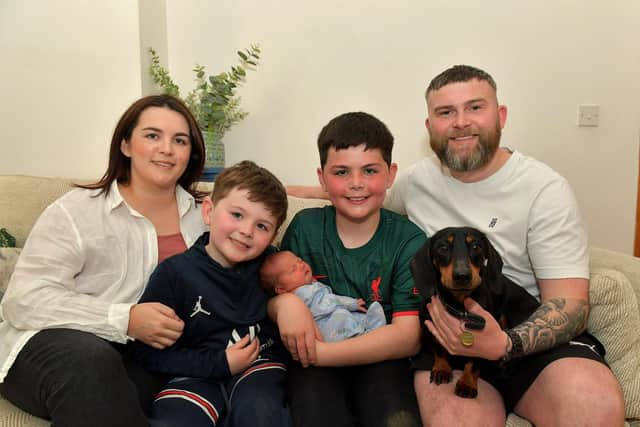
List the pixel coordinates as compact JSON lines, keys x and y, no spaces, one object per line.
{"x":526,"y":209}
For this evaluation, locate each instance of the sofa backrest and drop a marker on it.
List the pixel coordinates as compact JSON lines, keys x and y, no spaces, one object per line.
{"x":23,"y":198}
{"x":624,"y":263}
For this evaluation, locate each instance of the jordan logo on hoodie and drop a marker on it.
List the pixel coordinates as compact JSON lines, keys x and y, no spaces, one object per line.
{"x":198,"y":308}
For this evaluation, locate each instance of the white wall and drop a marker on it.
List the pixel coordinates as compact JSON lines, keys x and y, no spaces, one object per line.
{"x":321,"y":59}
{"x":68,"y":69}
{"x":69,"y":73}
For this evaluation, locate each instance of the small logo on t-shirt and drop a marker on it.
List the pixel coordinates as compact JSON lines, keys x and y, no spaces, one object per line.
{"x":198,"y":308}
{"x":493,"y":222}
{"x":375,"y":289}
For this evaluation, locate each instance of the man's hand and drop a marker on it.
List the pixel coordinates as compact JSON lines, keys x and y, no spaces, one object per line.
{"x":242,"y":354}
{"x":154,"y":324}
{"x":361,"y":305}
{"x":489,"y":343}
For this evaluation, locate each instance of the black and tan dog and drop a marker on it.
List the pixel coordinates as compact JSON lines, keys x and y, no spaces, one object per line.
{"x":456,"y":263}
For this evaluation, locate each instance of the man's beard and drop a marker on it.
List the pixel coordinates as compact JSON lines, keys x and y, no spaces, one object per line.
{"x":488,"y":143}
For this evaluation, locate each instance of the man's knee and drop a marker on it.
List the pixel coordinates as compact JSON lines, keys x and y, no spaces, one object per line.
{"x":599,"y":400}
{"x":439,"y":405}
{"x":601,"y":394}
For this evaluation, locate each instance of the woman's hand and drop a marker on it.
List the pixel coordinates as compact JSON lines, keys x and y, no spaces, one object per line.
{"x":154,"y":324}
{"x":242,"y":354}
{"x":489,"y":343}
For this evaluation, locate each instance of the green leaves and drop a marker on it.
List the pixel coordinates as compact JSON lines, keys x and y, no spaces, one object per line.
{"x":6,"y":239}
{"x":213,"y":100}
{"x":161,"y":75}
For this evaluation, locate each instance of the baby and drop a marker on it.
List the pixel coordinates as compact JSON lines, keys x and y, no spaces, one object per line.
{"x":338,"y":317}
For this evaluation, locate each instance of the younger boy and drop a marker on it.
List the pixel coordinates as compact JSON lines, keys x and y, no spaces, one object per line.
{"x":338,"y":317}
{"x":229,"y":362}
{"x":361,"y":251}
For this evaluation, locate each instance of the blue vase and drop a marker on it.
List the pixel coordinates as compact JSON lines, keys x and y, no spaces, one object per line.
{"x":209,"y":174}
{"x":214,"y":156}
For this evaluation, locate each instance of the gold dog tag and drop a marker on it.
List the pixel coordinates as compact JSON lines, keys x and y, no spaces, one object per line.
{"x":466,"y":339}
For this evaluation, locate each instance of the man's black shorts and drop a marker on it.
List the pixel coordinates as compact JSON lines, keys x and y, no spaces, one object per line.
{"x":514,"y":378}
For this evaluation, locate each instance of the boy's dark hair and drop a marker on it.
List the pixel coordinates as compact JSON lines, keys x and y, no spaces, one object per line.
{"x":459,"y":74}
{"x":262,"y":185}
{"x":353,"y":129}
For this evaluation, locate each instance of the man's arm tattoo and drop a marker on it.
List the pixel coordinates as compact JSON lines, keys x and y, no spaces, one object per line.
{"x":555,"y":322}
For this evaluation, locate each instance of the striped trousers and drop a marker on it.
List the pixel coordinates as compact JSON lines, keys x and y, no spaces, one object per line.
{"x":256,"y":397}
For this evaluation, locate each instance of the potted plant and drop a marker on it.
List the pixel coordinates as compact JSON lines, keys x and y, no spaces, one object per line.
{"x":213,"y":101}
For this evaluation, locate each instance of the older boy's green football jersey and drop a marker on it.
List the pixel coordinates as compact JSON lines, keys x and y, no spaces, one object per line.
{"x":378,"y":271}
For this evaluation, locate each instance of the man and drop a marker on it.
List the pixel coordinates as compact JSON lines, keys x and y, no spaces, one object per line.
{"x":530,"y":214}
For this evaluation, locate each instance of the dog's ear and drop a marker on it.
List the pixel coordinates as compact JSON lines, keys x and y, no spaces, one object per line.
{"x":493,"y":267}
{"x":423,"y":271}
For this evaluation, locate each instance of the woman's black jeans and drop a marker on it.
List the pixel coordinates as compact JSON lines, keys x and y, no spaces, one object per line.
{"x":77,"y":379}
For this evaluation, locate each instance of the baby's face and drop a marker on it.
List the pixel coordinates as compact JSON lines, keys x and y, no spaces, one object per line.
{"x":293,"y":272}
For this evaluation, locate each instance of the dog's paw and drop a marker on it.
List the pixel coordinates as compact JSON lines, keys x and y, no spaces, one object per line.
{"x":465,"y":390}
{"x":440,"y":376}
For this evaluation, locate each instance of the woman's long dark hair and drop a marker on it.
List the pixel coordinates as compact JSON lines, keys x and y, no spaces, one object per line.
{"x":119,"y":168}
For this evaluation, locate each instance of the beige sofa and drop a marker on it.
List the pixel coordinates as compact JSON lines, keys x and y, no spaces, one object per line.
{"x":615,"y":291}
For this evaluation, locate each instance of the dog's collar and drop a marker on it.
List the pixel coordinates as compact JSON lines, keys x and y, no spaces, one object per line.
{"x":471,"y":321}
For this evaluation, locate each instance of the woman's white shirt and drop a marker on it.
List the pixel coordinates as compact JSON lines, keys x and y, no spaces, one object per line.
{"x":85,"y":263}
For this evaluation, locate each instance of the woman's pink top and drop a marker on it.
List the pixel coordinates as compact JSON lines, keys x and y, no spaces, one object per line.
{"x":170,"y":245}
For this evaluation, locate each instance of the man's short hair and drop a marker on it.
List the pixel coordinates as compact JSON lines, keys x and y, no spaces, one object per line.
{"x":458,"y":74}
{"x":262,"y":185}
{"x":353,"y":129}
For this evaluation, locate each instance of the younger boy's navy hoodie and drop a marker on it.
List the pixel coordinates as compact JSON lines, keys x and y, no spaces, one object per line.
{"x":218,"y":305}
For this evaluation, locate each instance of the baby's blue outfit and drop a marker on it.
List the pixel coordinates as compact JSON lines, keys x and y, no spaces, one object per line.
{"x":337,"y":316}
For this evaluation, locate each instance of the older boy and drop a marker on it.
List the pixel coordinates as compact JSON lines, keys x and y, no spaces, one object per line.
{"x":229,"y":363}
{"x":362,"y":251}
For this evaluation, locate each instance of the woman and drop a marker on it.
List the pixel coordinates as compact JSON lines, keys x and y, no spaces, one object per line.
{"x":71,"y":302}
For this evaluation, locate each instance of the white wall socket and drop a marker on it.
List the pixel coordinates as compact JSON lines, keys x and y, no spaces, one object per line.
{"x":588,"y":115}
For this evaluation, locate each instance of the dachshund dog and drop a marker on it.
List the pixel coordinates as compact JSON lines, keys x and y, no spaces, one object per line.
{"x":460,"y":262}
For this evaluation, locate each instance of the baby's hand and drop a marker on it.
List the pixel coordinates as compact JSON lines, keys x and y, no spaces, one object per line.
{"x":361,"y":305}
{"x":242,"y":354}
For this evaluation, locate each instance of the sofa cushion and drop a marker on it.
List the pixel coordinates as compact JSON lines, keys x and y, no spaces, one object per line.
{"x":615,"y":321}
{"x":8,"y":259}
